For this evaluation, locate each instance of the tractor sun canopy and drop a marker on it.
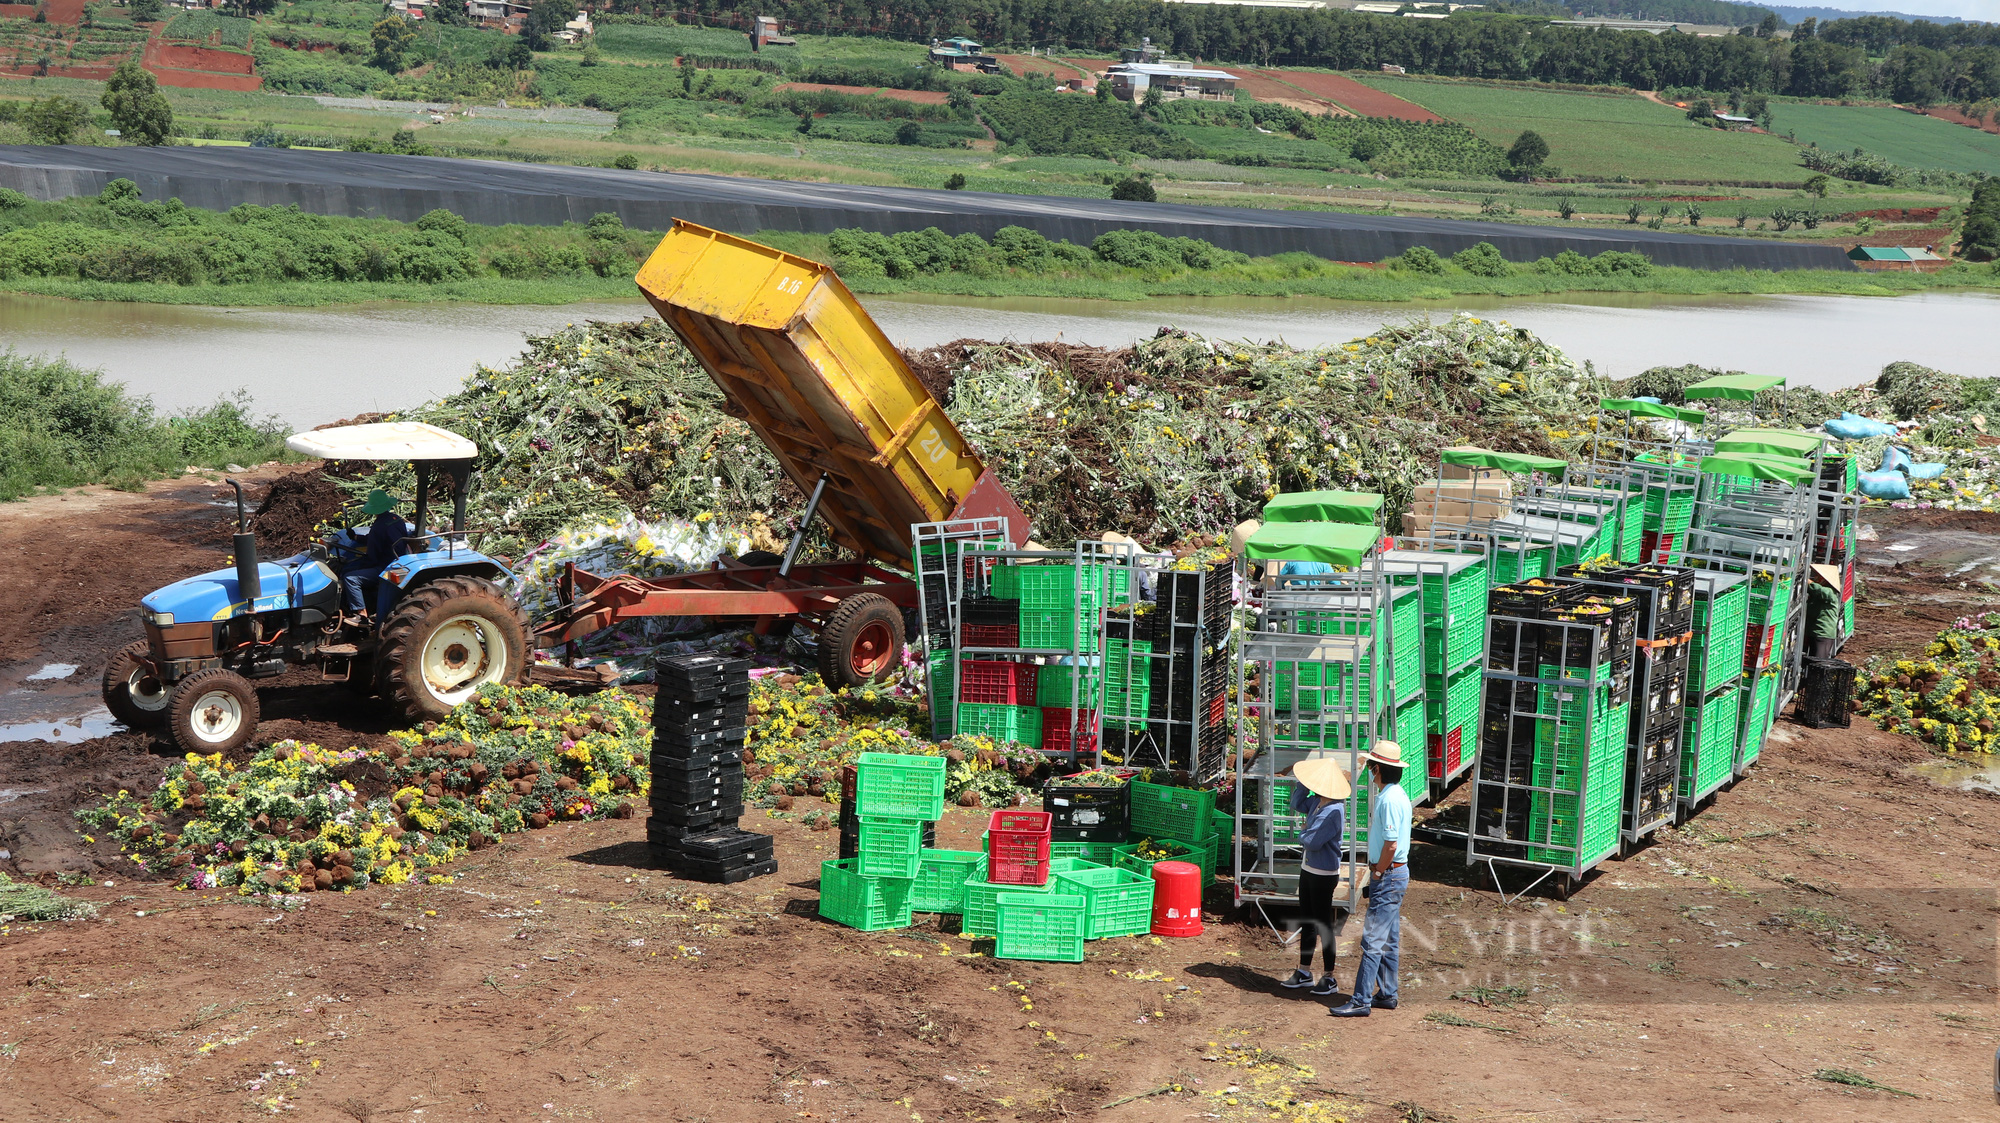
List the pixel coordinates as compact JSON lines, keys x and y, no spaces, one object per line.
{"x":1360,"y":507}
{"x":1333,"y":543}
{"x":386,"y":440}
{"x":1733,"y":387}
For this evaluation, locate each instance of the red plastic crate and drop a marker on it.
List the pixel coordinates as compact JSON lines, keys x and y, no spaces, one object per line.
{"x":1654,"y":546}
{"x":990,"y":635}
{"x":1445,"y":751}
{"x":1017,"y":847}
{"x":1055,"y":730}
{"x":1847,"y":584}
{"x":992,"y":681}
{"x":1218,"y":709}
{"x":1757,"y":644}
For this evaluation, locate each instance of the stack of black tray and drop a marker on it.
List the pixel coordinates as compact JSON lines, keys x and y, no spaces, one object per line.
{"x":699,"y":717}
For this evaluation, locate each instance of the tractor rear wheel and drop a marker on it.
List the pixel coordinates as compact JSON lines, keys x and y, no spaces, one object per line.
{"x":445,"y":640}
{"x":861,"y":642}
{"x":132,"y":692}
{"x":212,"y":711}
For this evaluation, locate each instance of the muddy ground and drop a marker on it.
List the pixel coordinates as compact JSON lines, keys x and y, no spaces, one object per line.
{"x":1832,"y":915}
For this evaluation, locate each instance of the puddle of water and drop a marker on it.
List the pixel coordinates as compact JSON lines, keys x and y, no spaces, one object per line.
{"x":1965,"y":776}
{"x":52,"y":671}
{"x":86,"y":727}
{"x":9,"y":795}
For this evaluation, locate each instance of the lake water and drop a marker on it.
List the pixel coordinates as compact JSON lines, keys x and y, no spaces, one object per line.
{"x":310,"y":366}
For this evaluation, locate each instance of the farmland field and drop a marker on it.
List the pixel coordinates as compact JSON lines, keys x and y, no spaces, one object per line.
{"x":1604,"y":135}
{"x":1896,"y":136}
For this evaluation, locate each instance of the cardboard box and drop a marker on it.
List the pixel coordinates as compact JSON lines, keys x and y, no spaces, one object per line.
{"x":1464,"y":490}
{"x":1442,"y":508}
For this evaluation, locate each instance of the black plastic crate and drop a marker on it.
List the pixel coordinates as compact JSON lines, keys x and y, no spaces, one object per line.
{"x":1125,"y":627}
{"x":1513,"y":647}
{"x":1576,"y":644}
{"x":1621,"y":687}
{"x":1665,"y":691}
{"x":1826,"y":695}
{"x":1087,"y":814}
{"x":699,"y":670}
{"x":708,"y":694}
{"x":1181,"y":740}
{"x":1669,"y":625}
{"x":1501,"y":826}
{"x":699,"y":814}
{"x":672,"y":836}
{"x":699,"y":871}
{"x":1505,"y":695}
{"x":688,"y":768}
{"x":937,"y":604}
{"x":719,"y":846}
{"x":689,"y":760}
{"x":1196,"y":596}
{"x":696,"y":792}
{"x":667,"y":741}
{"x":990,"y":611}
{"x":699,"y":719}
{"x":1522,"y":599}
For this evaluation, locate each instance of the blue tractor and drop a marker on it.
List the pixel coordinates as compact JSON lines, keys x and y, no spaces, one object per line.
{"x":449,"y":627}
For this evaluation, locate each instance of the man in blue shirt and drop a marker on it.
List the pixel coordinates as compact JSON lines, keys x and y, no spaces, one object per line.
{"x":1319,"y":794}
{"x":383,"y":534}
{"x":1388,"y":863}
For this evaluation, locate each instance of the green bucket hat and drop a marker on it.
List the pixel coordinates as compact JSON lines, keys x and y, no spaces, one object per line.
{"x":378,"y":502}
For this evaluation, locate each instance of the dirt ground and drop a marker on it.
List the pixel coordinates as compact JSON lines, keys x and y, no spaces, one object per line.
{"x":1830,"y":919}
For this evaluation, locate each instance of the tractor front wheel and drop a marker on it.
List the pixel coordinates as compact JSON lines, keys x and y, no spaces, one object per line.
{"x":445,"y":640}
{"x":212,"y":711}
{"x":861,"y":642}
{"x":133,"y":692}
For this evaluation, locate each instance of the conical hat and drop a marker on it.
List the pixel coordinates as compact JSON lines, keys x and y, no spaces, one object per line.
{"x":1322,"y":775}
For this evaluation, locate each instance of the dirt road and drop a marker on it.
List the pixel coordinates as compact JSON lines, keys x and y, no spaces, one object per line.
{"x":1830,"y":920}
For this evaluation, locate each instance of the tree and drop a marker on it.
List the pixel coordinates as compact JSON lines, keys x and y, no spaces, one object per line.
{"x":627,"y":161}
{"x":390,"y":38}
{"x":1154,"y":98}
{"x":1805,"y":30}
{"x":1768,"y":27}
{"x":545,"y":21}
{"x":144,"y":11}
{"x":1817,"y":185}
{"x":1701,"y":111}
{"x":960,"y":101}
{"x":1529,"y":150}
{"x":54,"y":120}
{"x":909,"y":132}
{"x":137,"y":107}
{"x":955,"y":181}
{"x":520,"y":56}
{"x":1133,"y":189}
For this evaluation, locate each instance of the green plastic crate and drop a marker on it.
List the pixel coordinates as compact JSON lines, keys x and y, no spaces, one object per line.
{"x":1047,"y":926}
{"x":1507,"y":566}
{"x":1117,"y":901}
{"x":1055,"y":682}
{"x":1002,"y":723}
{"x":1005,"y":582}
{"x":940,"y":881}
{"x":1406,"y":644}
{"x":978,"y":919}
{"x":1050,"y":586}
{"x":1708,"y":743}
{"x":1161,"y":809}
{"x":1453,"y":703}
{"x":899,"y":785}
{"x":1719,"y":633}
{"x":1847,"y":618}
{"x":1201,"y":853}
{"x":870,"y":904}
{"x":1128,"y":680}
{"x":1070,"y":629}
{"x":1410,"y":733}
{"x":1764,"y":699}
{"x":889,"y":847}
{"x":1769,"y":601}
{"x":1097,"y":853}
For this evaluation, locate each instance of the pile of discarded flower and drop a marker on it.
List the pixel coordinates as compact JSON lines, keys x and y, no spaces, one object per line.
{"x":1950,"y":697}
{"x":801,"y":734}
{"x":295,"y":817}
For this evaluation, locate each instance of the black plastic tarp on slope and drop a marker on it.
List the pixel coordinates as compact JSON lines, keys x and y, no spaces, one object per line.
{"x":378,"y":185}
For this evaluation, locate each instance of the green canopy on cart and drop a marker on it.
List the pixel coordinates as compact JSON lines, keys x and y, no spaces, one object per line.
{"x":1505,"y":461}
{"x":1778,"y":469}
{"x":1360,"y":507}
{"x":1779,"y":442}
{"x":1653,"y":409}
{"x":1333,"y":543}
{"x":1735,"y":387}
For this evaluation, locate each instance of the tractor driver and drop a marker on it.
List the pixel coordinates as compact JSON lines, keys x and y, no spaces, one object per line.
{"x":384,"y":533}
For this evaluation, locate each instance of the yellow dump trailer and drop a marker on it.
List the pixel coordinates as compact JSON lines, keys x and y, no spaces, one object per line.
{"x":802,"y":363}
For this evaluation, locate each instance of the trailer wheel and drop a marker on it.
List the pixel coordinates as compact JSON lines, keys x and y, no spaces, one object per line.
{"x":861,"y":642}
{"x":132,"y":692}
{"x":213,"y":711}
{"x":445,"y":640}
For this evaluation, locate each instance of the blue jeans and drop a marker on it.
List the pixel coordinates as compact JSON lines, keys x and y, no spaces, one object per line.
{"x":355,"y":584}
{"x":1381,"y":937}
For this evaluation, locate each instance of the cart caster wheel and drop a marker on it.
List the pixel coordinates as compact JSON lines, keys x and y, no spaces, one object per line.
{"x":1562,"y":886}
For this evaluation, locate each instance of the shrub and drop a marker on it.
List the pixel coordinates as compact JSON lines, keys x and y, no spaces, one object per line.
{"x":1418,"y":259}
{"x":1135,"y":190}
{"x":955,"y":181}
{"x":1482,"y":260}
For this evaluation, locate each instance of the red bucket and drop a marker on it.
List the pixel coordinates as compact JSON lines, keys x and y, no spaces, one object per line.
{"x":1176,"y":899}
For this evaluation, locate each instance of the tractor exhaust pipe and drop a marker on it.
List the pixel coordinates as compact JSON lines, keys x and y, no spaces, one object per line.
{"x":249,"y":581}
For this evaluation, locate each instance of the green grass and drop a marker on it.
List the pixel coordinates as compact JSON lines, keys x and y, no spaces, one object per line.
{"x":1604,"y":135}
{"x":1896,"y":136}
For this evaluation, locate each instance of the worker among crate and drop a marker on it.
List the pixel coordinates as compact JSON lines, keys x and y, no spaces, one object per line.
{"x":1823,"y":612}
{"x":1388,"y":864}
{"x":1319,"y":794}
